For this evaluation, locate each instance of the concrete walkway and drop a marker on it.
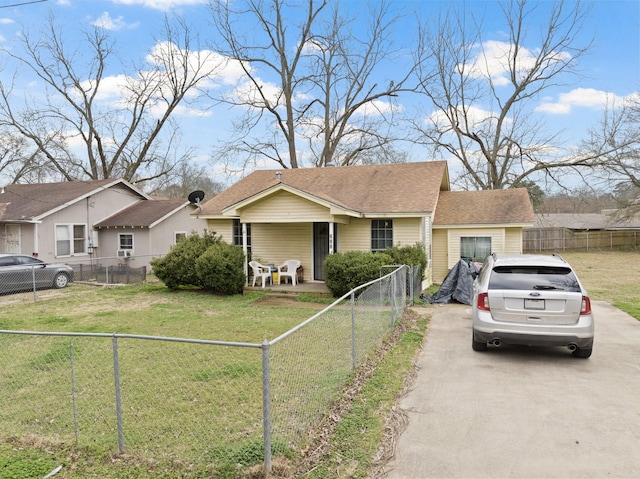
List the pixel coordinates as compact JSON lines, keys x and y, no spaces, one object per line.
{"x":519,"y":412}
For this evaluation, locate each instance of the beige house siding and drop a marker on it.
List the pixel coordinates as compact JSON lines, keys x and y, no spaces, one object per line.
{"x":274,"y":243}
{"x":513,"y":241}
{"x":407,"y":231}
{"x":440,"y":253}
{"x":497,"y":236}
{"x":222,"y":228}
{"x":284,"y":207}
{"x":356,"y":236}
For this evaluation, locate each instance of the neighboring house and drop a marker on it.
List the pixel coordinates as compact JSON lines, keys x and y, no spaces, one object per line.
{"x":59,"y":221}
{"x":559,"y":231}
{"x":147,"y":228}
{"x":306,"y":214}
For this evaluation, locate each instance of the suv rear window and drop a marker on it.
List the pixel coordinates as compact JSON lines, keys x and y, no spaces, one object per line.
{"x":544,"y":278}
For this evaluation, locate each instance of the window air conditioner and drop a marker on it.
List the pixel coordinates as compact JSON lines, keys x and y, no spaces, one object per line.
{"x":124,"y":253}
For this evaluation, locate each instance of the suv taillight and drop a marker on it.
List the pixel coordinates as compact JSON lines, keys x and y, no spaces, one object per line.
{"x":483,"y":301}
{"x":586,"y":305}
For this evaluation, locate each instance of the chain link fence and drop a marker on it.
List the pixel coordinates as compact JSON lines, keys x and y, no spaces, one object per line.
{"x":192,"y":400}
{"x":25,"y":274}
{"x":112,"y":269}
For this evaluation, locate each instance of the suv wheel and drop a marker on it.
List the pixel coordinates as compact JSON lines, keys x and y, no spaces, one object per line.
{"x":478,"y":345}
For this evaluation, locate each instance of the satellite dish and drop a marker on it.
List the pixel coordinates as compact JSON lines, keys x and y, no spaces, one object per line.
{"x":196,"y":197}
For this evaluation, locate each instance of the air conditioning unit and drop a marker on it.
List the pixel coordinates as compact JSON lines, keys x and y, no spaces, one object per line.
{"x":125,"y":253}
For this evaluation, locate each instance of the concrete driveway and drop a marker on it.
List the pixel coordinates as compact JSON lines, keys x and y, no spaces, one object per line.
{"x":522,"y":412}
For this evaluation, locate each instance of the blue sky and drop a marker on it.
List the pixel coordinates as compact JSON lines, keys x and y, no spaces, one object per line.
{"x":611,"y":70}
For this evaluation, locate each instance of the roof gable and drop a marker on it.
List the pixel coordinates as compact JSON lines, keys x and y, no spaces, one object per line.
{"x":370,"y":189}
{"x":32,"y":202}
{"x":490,"y":207}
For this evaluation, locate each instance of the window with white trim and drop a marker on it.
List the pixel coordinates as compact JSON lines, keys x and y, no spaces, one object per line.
{"x":125,"y":241}
{"x":475,"y":248}
{"x":71,"y":239}
{"x":237,"y":234}
{"x":179,"y":236}
{"x":381,"y":235}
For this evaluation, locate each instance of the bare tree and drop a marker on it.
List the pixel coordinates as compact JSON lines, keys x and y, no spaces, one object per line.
{"x":130,"y":136}
{"x":187,"y":177}
{"x":482,"y":92}
{"x":315,"y":94}
{"x":616,"y":144}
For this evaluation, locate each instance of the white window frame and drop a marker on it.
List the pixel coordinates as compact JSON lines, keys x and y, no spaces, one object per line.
{"x":475,"y":238}
{"x":126,"y":247}
{"x":71,"y":239}
{"x":384,"y":226}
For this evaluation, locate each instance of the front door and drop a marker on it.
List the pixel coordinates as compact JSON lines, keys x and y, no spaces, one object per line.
{"x":12,"y":244}
{"x":320,"y":248}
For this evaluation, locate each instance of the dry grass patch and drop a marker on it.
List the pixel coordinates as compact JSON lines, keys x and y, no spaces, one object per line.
{"x":610,"y":276}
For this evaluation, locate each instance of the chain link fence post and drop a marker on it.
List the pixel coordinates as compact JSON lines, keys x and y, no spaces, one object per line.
{"x":116,"y":377}
{"x":266,"y":407}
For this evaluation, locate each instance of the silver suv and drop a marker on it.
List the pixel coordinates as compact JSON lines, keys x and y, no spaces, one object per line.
{"x":535,"y":300}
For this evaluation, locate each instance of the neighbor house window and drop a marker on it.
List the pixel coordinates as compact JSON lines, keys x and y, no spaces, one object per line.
{"x":475,"y":248}
{"x":71,"y":239}
{"x":125,"y":241}
{"x":237,"y":234}
{"x":179,"y":236}
{"x":381,"y":234}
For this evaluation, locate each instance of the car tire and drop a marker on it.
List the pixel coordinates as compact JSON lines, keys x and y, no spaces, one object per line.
{"x":582,"y":353}
{"x":60,"y":281}
{"x":478,"y":345}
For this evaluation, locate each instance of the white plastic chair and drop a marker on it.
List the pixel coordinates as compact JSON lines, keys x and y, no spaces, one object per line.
{"x":260,"y":271}
{"x":289,"y":268}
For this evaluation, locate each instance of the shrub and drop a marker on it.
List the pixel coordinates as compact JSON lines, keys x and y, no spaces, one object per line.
{"x":345,"y":271}
{"x":409,"y":255}
{"x":178,"y":267}
{"x":221,"y":268}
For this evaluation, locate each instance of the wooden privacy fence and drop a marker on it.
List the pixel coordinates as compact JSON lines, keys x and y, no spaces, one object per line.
{"x":561,"y":239}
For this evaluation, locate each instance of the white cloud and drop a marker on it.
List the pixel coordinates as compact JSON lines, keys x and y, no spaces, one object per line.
{"x":6,"y":21}
{"x":493,"y":61}
{"x":248,"y":94}
{"x":579,"y":97}
{"x":378,"y":107}
{"x":115,"y":89}
{"x":105,"y":21}
{"x":161,"y":4}
{"x":475,"y":116}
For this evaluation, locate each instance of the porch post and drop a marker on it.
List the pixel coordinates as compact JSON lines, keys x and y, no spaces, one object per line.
{"x":244,"y":250}
{"x":331,"y":236}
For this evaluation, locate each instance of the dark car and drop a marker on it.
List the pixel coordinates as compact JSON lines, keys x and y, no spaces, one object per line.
{"x":21,"y":272}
